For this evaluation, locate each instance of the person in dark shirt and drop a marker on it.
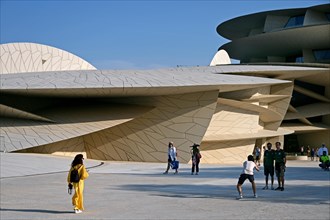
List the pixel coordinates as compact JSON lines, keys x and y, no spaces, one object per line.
{"x":195,"y":158}
{"x":269,"y":165}
{"x":312,"y":154}
{"x":280,"y":161}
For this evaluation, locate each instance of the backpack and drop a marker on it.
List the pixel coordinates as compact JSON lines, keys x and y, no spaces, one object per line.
{"x":74,"y":176}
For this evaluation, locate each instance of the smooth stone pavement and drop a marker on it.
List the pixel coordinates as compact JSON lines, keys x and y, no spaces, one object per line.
{"x":34,"y":187}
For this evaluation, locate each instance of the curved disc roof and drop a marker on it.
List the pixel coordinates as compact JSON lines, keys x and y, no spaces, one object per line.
{"x":32,"y":57}
{"x":241,"y":26}
{"x":284,"y":42}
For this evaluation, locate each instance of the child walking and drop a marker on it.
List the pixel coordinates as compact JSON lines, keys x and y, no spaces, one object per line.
{"x":247,"y":173}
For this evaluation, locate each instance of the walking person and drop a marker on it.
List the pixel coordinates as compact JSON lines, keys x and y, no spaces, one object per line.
{"x":280,"y":161}
{"x":269,"y":165}
{"x":308,"y":151}
{"x":312,"y":154}
{"x":257,"y":153}
{"x":171,"y":152}
{"x":247,"y":173}
{"x":76,"y":177}
{"x":195,"y":158}
{"x":317,"y":154}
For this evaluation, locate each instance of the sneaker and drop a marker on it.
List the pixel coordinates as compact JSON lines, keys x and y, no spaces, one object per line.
{"x":166,"y":172}
{"x":77,"y":211}
{"x":255,"y":196}
{"x":278,"y":188}
{"x":176,"y":172}
{"x":282,"y":188}
{"x":272,"y":187}
{"x":192,"y":173}
{"x":240,"y":197}
{"x":196,"y":174}
{"x":266,"y":187}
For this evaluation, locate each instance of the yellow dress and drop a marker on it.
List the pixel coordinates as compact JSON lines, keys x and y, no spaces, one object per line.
{"x":78,"y":197}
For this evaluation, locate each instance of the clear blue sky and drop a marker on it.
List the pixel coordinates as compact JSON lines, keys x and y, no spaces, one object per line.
{"x":131,"y":34}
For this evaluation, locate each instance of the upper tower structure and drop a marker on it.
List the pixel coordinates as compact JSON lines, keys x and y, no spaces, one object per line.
{"x":299,"y":35}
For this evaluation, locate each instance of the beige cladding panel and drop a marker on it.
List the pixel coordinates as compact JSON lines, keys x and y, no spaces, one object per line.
{"x":279,"y":106}
{"x":177,"y":118}
{"x":230,"y":152}
{"x":31,"y":57}
{"x":70,"y":122}
{"x":242,"y":112}
{"x":69,"y":147}
{"x":246,"y":94}
{"x":231,"y":120}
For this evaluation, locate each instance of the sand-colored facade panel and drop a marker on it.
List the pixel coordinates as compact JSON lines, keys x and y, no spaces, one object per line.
{"x":123,"y":142}
{"x":165,"y":133}
{"x":69,"y":147}
{"x":70,"y":123}
{"x":227,"y":152}
{"x":30,"y":57}
{"x":232,"y":123}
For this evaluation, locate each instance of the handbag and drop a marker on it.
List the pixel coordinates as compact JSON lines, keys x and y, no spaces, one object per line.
{"x":175,"y":164}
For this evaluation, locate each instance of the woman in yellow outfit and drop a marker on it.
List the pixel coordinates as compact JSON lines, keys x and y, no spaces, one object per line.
{"x":78,"y":198}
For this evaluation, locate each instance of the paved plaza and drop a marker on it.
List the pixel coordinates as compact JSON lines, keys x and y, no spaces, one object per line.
{"x":34,"y":187}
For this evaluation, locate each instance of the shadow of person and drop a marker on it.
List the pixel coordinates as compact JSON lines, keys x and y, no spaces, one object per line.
{"x":36,"y":210}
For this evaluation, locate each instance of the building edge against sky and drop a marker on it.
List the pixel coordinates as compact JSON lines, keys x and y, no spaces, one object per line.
{"x":54,"y":102}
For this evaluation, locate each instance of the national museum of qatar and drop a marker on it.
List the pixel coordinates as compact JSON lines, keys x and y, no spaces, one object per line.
{"x":54,"y":102}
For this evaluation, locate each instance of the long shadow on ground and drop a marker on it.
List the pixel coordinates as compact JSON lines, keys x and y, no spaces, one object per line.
{"x":313,"y":189}
{"x":36,"y":210}
{"x":296,"y":195}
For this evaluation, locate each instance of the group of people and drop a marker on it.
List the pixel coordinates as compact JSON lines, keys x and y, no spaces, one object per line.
{"x":274,"y":161}
{"x":313,"y":152}
{"x":172,"y":158}
{"x":321,"y":153}
{"x":279,"y":157}
{"x":270,"y":156}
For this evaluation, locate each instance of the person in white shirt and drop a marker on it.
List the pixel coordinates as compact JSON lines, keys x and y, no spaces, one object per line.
{"x":171,"y":157}
{"x":247,"y":173}
{"x":320,"y":151}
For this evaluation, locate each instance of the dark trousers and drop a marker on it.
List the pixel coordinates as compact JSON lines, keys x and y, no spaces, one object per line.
{"x":195,"y":164}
